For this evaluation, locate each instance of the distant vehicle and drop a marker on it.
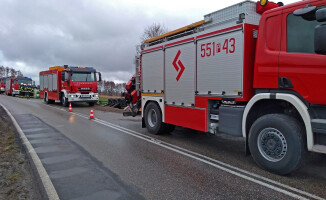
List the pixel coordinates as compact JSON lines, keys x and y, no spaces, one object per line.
{"x":13,"y":83}
{"x":255,"y":70}
{"x":69,"y":84}
{"x":2,"y":85}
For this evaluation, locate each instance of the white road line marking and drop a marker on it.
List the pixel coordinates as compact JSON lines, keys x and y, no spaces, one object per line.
{"x":44,"y":176}
{"x":220,"y":162}
{"x":210,"y":162}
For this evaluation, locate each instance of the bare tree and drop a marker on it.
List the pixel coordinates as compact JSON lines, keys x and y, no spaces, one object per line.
{"x":12,"y":72}
{"x":7,"y":71}
{"x":2,"y":71}
{"x":112,"y":88}
{"x":19,"y":73}
{"x":151,"y":31}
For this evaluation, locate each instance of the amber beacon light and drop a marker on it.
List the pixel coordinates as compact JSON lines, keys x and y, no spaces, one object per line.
{"x":263,"y":2}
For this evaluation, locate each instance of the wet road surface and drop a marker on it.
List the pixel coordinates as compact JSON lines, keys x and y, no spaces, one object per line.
{"x":113,"y":156}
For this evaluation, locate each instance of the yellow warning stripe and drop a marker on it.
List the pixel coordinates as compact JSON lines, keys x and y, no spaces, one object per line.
{"x":154,"y":95}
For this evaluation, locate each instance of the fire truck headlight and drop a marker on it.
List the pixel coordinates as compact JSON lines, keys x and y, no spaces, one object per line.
{"x":96,"y":95}
{"x":72,"y":96}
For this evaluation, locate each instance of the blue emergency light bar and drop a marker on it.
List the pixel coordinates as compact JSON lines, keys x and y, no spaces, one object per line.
{"x":81,"y":67}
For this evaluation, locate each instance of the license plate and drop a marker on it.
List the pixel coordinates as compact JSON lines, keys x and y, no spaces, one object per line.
{"x":85,"y":96}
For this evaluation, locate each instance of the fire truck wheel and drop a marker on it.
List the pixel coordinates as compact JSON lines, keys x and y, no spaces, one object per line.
{"x":64,"y":101}
{"x":153,"y":119}
{"x":276,"y":143}
{"x":46,"y":99}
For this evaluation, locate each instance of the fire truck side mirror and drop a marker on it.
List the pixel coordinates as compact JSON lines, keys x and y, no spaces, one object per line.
{"x":62,"y":76}
{"x":320,"y":32}
{"x":321,"y":15}
{"x":308,"y":12}
{"x":99,"y":76}
{"x":320,"y":39}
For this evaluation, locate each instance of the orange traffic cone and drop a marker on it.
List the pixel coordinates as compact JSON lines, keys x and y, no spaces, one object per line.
{"x":70,"y":108}
{"x":91,"y":116}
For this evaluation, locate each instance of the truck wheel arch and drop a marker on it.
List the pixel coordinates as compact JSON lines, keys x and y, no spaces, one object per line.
{"x":64,"y":92}
{"x":300,"y":107}
{"x":147,"y":102}
{"x":159,"y":100}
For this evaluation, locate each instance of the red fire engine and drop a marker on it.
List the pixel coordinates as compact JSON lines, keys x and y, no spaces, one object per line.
{"x":2,"y":85}
{"x":254,"y":70}
{"x":69,"y":84}
{"x":13,"y":83}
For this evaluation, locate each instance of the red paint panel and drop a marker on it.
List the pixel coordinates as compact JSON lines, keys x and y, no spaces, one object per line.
{"x":186,"y":117}
{"x":41,"y":94}
{"x":248,"y":62}
{"x":53,"y":95}
{"x":181,"y":41}
{"x":152,"y":49}
{"x":220,"y":31}
{"x":267,"y":51}
{"x":201,"y":101}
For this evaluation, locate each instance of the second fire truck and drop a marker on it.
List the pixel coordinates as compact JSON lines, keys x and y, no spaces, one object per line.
{"x":69,"y":84}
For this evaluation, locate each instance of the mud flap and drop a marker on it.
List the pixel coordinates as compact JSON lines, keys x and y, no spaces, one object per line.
{"x":143,"y":125}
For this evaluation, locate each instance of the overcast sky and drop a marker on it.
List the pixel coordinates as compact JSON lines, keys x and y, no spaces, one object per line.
{"x":37,"y":34}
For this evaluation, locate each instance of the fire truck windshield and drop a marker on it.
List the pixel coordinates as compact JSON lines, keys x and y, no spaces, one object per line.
{"x":82,"y":76}
{"x":24,"y":81}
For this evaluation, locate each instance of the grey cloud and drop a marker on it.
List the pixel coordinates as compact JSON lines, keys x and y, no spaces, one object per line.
{"x":104,"y":35}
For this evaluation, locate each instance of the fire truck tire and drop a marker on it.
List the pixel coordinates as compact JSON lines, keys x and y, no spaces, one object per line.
{"x":153,"y":119}
{"x":64,"y":101}
{"x":46,"y":99}
{"x":276,"y":143}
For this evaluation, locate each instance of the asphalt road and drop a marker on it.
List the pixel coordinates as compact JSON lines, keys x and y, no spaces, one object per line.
{"x":112,"y":157}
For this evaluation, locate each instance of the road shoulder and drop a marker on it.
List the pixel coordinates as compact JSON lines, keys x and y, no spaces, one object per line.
{"x":18,"y":180}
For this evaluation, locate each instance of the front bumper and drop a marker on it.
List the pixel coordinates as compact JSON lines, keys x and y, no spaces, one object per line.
{"x":14,"y":92}
{"x":78,"y":97}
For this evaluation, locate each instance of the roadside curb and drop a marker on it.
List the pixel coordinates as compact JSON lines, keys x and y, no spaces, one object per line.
{"x":47,"y":189}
